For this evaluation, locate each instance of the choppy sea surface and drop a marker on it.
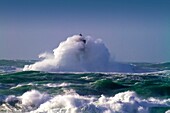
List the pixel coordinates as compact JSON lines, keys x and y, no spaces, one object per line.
{"x":146,"y":90}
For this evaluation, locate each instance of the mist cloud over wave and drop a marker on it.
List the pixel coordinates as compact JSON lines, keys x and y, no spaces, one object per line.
{"x":77,"y":54}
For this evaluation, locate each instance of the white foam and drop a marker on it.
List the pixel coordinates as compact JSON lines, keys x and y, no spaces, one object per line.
{"x":33,"y":98}
{"x":11,"y":98}
{"x":71,"y":102}
{"x":57,"y":85}
{"x":77,"y":54}
{"x":87,"y":78}
{"x":20,"y":85}
{"x":125,"y":102}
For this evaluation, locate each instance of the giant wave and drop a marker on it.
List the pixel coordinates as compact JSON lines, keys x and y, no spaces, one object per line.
{"x":79,"y":54}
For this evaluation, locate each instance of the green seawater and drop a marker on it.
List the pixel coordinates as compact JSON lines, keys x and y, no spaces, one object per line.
{"x":146,"y":85}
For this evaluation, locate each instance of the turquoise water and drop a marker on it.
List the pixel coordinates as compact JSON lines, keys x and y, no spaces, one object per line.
{"x":85,"y":92}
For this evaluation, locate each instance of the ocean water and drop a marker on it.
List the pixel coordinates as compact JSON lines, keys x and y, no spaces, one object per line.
{"x":84,"y":92}
{"x":79,"y":76}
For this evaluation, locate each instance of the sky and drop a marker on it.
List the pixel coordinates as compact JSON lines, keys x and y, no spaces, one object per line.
{"x":133,"y":30}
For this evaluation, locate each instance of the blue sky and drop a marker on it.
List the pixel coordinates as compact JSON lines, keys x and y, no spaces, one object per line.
{"x":133,"y":30}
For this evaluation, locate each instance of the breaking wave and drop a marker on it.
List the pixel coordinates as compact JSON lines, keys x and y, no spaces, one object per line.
{"x":78,"y":54}
{"x":71,"y":102}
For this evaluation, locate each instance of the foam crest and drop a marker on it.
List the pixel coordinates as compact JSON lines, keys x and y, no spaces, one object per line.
{"x":57,"y":85}
{"x":125,"y":102}
{"x":33,"y":98}
{"x":71,"y":102}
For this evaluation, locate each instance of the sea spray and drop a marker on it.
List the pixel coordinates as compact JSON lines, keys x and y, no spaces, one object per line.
{"x":78,"y":54}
